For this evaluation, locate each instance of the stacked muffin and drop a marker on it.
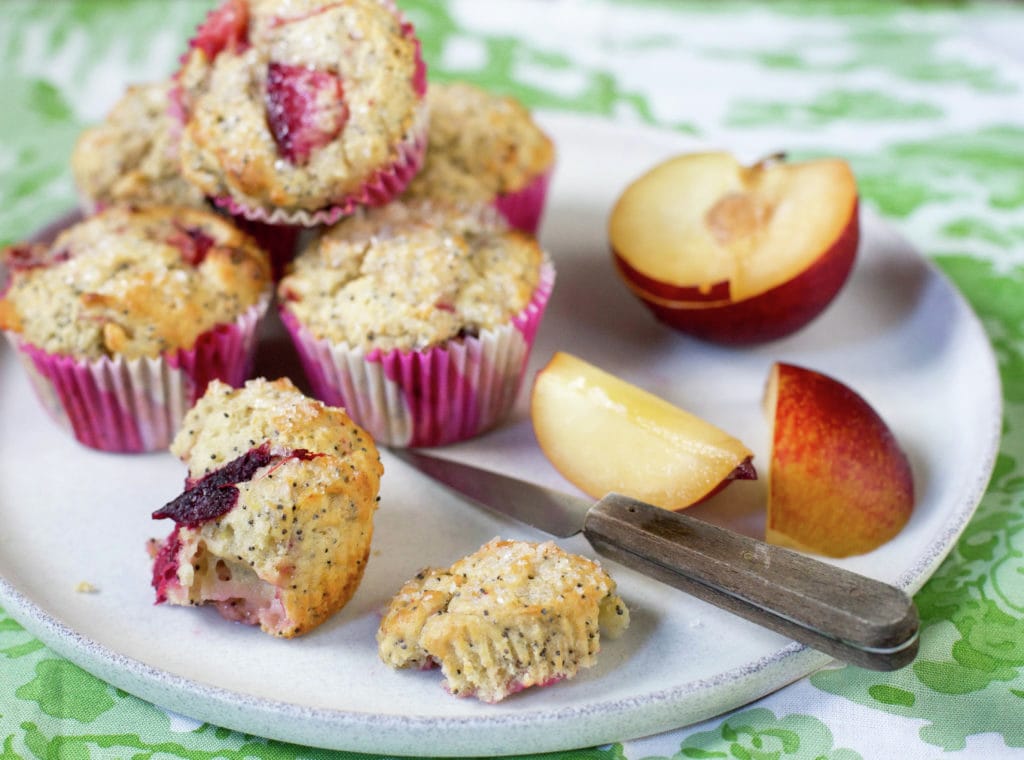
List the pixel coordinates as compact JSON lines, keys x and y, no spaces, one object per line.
{"x":485,"y":148}
{"x":132,"y":157}
{"x":300,"y":112}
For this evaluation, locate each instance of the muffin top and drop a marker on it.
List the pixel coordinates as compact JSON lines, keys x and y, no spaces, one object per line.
{"x":293,"y":104}
{"x":227,"y":422}
{"x":480,"y":146}
{"x":410,"y":276}
{"x":508,"y":580}
{"x":132,"y":283}
{"x":132,"y":156}
{"x":507,"y":595}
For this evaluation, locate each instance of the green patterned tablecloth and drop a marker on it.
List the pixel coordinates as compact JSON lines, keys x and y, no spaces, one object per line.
{"x":927,"y":102}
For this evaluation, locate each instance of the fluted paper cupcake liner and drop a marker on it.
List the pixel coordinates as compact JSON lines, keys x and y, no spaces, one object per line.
{"x":523,"y":208}
{"x":136,"y":405}
{"x":431,"y":397}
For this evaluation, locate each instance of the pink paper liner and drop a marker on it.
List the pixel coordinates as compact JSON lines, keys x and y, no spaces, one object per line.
{"x":136,"y":405}
{"x":383,"y":185}
{"x":279,"y":240}
{"x":523,"y":208}
{"x":431,"y":397}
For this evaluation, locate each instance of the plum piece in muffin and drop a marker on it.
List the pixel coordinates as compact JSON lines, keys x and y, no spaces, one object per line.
{"x":275,"y":522}
{"x":512,"y":615}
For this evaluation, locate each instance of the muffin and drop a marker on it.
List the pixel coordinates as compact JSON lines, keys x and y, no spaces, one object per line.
{"x":512,"y":615}
{"x":123,"y":320}
{"x":132,"y":156}
{"x":418,"y":318}
{"x":298,"y":111}
{"x":275,"y":522}
{"x":484,"y":148}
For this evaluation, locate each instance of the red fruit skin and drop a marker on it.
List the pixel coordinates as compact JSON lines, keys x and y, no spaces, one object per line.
{"x":638,"y":282}
{"x":225,"y":28}
{"x":745,"y":470}
{"x":193,"y":243}
{"x":771,"y":315}
{"x":839,"y":484}
{"x":306,"y":109}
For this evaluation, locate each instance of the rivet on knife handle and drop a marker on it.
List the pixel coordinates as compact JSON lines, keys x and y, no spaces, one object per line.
{"x":853,"y":618}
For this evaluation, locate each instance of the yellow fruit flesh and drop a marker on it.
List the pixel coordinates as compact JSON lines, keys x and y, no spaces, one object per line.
{"x":701,"y":219}
{"x":605,"y":435}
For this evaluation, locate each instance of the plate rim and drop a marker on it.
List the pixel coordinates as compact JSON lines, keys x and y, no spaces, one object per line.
{"x":599,"y":722}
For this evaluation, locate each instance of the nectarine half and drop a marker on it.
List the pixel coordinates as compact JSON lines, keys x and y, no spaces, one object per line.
{"x":839,"y":484}
{"x":737,"y":254}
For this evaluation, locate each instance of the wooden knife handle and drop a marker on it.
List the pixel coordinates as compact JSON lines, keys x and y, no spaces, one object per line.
{"x":853,"y":618}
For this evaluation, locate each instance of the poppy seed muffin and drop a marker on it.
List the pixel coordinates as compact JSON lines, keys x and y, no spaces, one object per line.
{"x":418,"y":318}
{"x":132,"y":156}
{"x":512,"y":615}
{"x":296,"y":111}
{"x":123,"y":320}
{"x":410,"y":276}
{"x":275,"y":523}
{"x":133,"y":283}
{"x":485,"y":148}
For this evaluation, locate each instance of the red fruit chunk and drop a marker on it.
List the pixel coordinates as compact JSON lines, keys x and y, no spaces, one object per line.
{"x":306,"y":109}
{"x":32,"y":256}
{"x":165,"y":565}
{"x":225,"y":28}
{"x":193,"y":243}
{"x":215,"y":494}
{"x":279,"y":21}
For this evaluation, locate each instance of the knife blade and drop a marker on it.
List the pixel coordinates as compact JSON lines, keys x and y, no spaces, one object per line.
{"x":848,"y":616}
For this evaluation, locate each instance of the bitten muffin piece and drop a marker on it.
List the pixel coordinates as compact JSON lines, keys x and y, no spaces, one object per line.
{"x":510,"y":616}
{"x":410,"y":276}
{"x":133,"y":283}
{"x":132,"y":156}
{"x":294,"y":105}
{"x":275,"y":522}
{"x":480,"y":146}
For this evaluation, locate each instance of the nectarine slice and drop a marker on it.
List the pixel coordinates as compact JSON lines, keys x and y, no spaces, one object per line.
{"x":606,"y":435}
{"x":733,"y":253}
{"x":839,"y":484}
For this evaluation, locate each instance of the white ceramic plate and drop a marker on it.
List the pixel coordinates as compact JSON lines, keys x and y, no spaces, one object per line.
{"x":899,"y":333}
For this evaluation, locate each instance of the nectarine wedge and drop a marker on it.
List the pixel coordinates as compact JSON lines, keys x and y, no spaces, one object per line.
{"x":737,"y":254}
{"x":839,"y":484}
{"x":606,"y":435}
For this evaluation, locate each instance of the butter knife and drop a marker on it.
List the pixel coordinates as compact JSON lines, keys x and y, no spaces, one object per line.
{"x":848,"y":616}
